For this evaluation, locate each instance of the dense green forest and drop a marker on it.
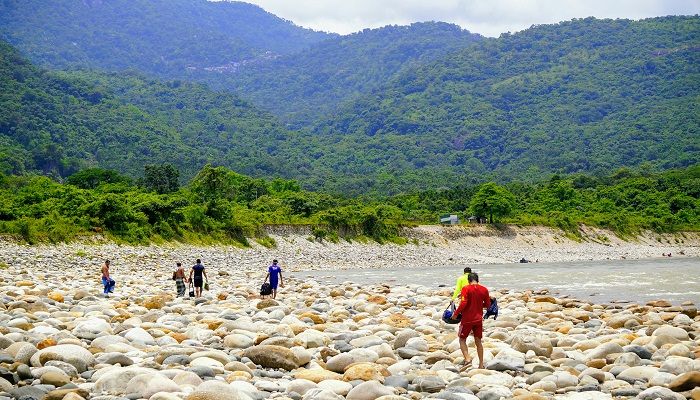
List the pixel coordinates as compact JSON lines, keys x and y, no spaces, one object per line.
{"x":585,"y":96}
{"x":57,"y":124}
{"x":299,"y":87}
{"x":160,"y":38}
{"x":221,"y":205}
{"x":582,"y":96}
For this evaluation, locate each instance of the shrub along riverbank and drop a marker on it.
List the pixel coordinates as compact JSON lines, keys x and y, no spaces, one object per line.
{"x":220,"y":205}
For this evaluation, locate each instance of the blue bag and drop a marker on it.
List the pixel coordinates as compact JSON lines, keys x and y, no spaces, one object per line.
{"x":492,"y":310}
{"x":447,"y":314}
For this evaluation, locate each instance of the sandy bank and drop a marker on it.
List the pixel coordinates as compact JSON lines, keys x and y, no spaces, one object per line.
{"x":427,"y":246}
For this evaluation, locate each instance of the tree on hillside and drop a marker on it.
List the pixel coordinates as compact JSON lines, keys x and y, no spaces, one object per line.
{"x":161,"y":179}
{"x":91,"y":178}
{"x":492,"y":200}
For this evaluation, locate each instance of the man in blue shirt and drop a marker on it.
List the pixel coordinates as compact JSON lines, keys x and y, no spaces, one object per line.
{"x":196,"y":276}
{"x":274,"y":272}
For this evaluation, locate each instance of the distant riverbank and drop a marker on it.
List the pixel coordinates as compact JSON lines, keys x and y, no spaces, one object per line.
{"x":427,"y":246}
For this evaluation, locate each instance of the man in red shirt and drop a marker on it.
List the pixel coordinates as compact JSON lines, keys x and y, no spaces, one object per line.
{"x":474,"y":299}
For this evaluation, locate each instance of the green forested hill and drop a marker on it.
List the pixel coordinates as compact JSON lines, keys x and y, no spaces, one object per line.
{"x":585,"y":96}
{"x":581,"y":96}
{"x":300,"y":87}
{"x":58,"y":123}
{"x":163,"y":38}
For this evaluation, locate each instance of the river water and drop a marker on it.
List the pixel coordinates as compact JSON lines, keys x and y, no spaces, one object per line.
{"x":605,"y":281}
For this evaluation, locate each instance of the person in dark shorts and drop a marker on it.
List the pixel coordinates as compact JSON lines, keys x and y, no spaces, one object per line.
{"x":474,"y":299}
{"x":198,"y":275}
{"x":274,"y":272}
{"x":107,"y":280}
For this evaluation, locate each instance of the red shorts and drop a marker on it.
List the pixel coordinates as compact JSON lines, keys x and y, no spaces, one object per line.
{"x":476,"y":328}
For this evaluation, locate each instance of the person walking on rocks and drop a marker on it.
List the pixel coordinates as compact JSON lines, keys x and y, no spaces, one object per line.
{"x":274,"y":272}
{"x":197,"y":272}
{"x":474,"y":299}
{"x":180,"y":280}
{"x":462,"y":281}
{"x":107,"y":280}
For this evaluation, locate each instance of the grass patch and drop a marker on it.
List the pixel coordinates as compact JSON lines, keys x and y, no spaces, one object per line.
{"x":398,"y":240}
{"x":267,"y":242}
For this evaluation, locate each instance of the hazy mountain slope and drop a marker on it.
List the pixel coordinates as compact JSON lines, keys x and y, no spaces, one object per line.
{"x":58,"y":124}
{"x":164,"y":38}
{"x":302,"y":86}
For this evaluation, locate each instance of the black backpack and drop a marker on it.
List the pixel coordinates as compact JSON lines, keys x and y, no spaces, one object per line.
{"x":265,"y":289}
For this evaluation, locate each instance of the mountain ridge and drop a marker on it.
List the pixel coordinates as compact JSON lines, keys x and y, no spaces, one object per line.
{"x":583,"y":96}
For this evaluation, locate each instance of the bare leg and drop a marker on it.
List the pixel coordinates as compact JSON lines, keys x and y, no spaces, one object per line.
{"x":479,"y":351}
{"x":274,"y":293}
{"x":465,"y":350}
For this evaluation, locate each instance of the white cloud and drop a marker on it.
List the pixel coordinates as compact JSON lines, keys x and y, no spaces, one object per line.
{"x":487,"y":17}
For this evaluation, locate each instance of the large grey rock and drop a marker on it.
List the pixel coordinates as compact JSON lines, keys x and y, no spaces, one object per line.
{"x":540,"y":346}
{"x":396,"y":381}
{"x":149,"y":384}
{"x":562,"y":379}
{"x":657,"y":392}
{"x":369,"y":390}
{"x":675,"y":332}
{"x":338,"y":387}
{"x":312,"y":338}
{"x":641,"y":372}
{"x":217,"y":390}
{"x":339,"y":362}
{"x":187,"y":378}
{"x":139,"y":336}
{"x":603,"y":350}
{"x":678,"y":365}
{"x":238,"y":341}
{"x":301,"y":386}
{"x":321,"y":394}
{"x":506,"y":363}
{"x":74,"y":355}
{"x":403,"y":336}
{"x":364,"y":355}
{"x":103,"y":341}
{"x":642,"y":352}
{"x":273,"y":357}
{"x":495,"y":393}
{"x":430,"y":384}
{"x":28,"y":393}
{"x":92,"y":328}
{"x":629,"y":359}
{"x":116,"y":379}
{"x":25,"y":352}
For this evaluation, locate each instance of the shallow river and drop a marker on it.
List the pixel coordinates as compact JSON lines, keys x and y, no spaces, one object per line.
{"x":639,"y":281}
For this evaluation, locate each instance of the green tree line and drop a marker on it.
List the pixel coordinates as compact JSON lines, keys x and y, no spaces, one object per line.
{"x":219,"y":205}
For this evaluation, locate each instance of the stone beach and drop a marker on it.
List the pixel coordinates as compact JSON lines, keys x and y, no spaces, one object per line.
{"x":60,"y":338}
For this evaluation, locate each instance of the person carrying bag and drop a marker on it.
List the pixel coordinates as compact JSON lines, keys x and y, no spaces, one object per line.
{"x":447,"y":314}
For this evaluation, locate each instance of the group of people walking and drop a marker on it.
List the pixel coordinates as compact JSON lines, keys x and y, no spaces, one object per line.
{"x":198,"y":278}
{"x":473,"y":299}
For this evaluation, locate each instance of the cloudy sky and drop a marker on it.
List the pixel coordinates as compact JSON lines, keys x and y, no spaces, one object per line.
{"x":486,"y":17}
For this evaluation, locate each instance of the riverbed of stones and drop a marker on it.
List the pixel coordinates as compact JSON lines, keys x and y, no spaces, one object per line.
{"x":61,"y":338}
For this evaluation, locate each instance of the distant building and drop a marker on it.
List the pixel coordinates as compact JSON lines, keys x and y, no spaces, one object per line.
{"x":477,"y":219}
{"x":450,"y":219}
